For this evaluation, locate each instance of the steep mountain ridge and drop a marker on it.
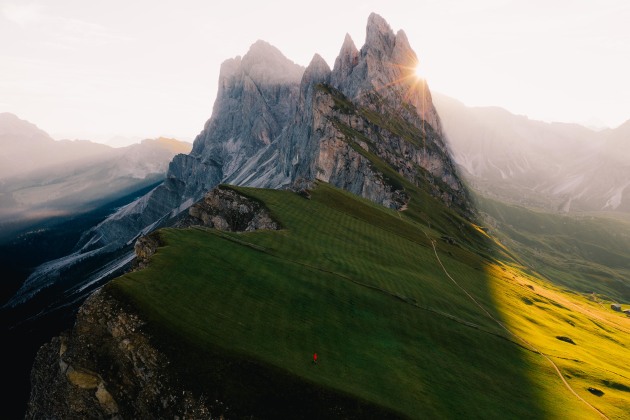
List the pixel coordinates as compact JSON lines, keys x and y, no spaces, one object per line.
{"x":26,"y":148}
{"x":274,"y":123}
{"x":373,"y":100}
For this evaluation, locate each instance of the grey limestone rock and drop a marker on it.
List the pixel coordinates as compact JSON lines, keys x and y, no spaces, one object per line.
{"x":226,"y":209}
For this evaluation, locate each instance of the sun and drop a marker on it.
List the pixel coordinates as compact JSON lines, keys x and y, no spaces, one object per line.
{"x":417,"y":71}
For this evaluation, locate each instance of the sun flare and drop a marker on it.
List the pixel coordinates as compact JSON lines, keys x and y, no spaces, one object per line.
{"x":417,"y":71}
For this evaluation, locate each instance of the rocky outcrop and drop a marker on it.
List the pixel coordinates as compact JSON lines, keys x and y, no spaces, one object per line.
{"x":107,"y":367}
{"x":144,"y":249}
{"x":225,"y":209}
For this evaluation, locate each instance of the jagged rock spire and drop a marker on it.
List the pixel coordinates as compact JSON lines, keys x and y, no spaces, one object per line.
{"x":346,"y":61}
{"x":317,"y":71}
{"x":385,"y":65}
{"x":378,"y":34}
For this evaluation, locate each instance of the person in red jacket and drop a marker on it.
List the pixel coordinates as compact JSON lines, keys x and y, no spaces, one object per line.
{"x":315,"y":358}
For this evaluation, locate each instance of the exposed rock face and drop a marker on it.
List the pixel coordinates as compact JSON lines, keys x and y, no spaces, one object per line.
{"x":373,"y":100}
{"x":386,"y":64}
{"x":106,"y":367}
{"x":272,"y":123}
{"x":225,"y":209}
{"x":145,"y":247}
{"x":254,"y":102}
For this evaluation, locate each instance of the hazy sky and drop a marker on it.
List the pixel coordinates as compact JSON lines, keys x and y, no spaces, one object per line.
{"x":145,"y":68}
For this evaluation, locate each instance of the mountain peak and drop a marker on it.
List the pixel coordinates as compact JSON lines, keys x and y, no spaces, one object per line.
{"x":7,"y":116}
{"x":317,"y":69}
{"x":12,"y":125}
{"x":385,"y":65}
{"x":402,"y":54}
{"x":379,"y":34}
{"x":348,"y":45}
{"x":377,"y":24}
{"x":265,"y":63}
{"x":346,"y":61}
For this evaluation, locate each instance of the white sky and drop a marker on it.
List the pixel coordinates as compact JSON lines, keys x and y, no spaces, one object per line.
{"x":146,"y":68}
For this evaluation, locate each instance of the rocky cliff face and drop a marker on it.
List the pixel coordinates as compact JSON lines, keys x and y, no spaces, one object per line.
{"x":255,"y":98}
{"x":370,"y":107}
{"x":256,"y":95}
{"x":225,"y":209}
{"x":106,"y":367}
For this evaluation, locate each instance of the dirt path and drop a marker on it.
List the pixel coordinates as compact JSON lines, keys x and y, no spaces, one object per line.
{"x":528,"y":344}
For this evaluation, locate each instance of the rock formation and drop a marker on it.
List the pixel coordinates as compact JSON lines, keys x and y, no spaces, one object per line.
{"x":256,"y":95}
{"x":225,"y":209}
{"x":106,"y":367}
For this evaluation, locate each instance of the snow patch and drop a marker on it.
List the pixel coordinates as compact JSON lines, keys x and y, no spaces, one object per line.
{"x":41,"y":278}
{"x":615,"y":201}
{"x":568,"y":185}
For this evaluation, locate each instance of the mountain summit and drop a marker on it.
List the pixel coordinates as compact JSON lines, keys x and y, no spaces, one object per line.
{"x":359,"y":126}
{"x":386,"y":64}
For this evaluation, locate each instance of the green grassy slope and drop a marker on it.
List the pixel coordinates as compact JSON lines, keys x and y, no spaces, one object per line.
{"x":584,"y":253}
{"x":242,"y":313}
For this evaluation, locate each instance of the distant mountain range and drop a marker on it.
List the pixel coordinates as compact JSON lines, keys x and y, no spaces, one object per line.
{"x":555,"y":166}
{"x":41,"y":177}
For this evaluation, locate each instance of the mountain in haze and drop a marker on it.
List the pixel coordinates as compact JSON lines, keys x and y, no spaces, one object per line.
{"x":275,"y":124}
{"x":26,"y":148}
{"x":555,"y":166}
{"x":42,"y":178}
{"x":122,"y":141}
{"x":51,"y":191}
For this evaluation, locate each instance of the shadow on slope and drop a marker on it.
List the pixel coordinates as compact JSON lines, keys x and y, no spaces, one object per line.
{"x":26,"y":327}
{"x":585,"y":253}
{"x":359,"y":284}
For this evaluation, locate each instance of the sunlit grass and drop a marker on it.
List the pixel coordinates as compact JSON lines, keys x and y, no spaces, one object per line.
{"x":539,"y":312}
